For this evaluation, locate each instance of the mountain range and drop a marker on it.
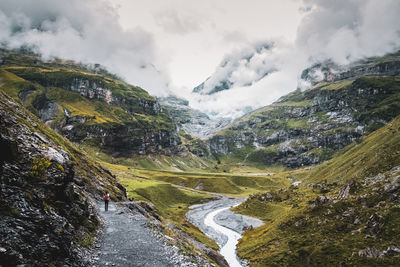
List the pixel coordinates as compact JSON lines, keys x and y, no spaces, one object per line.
{"x":327,"y":157}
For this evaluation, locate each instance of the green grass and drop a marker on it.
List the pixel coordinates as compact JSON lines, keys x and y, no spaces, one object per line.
{"x":297,"y":234}
{"x":152,"y":162}
{"x":171,"y":202}
{"x":337,"y":85}
{"x":299,"y":123}
{"x":62,"y":77}
{"x":52,"y":81}
{"x":378,"y":152}
{"x":12,"y":85}
{"x":173,"y":192}
{"x":304,"y":103}
{"x":225,"y":183}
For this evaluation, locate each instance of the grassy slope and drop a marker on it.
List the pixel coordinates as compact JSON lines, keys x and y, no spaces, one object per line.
{"x":153,"y":162}
{"x":296,"y":233}
{"x":27,"y":73}
{"x":276,"y":117}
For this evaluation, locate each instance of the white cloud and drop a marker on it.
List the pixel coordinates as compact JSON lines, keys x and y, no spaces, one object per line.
{"x":86,"y":31}
{"x":177,"y":22}
{"x":348,"y":30}
{"x":146,"y":42}
{"x":340,"y":31}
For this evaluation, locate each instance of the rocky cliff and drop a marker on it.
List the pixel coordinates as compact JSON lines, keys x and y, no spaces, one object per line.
{"x":190,"y":120}
{"x":48,"y":193}
{"x":307,"y":127}
{"x":89,"y":106}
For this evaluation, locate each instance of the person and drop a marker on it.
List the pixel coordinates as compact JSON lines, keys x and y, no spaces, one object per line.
{"x":106,"y":199}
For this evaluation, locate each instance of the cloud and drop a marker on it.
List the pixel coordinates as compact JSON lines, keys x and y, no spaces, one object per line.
{"x":176,"y":22}
{"x":89,"y":31}
{"x":85,"y":31}
{"x":234,"y":37}
{"x":348,"y":30}
{"x":243,"y":67}
{"x":341,"y":32}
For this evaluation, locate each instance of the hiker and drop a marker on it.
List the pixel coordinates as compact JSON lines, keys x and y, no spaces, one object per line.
{"x":106,"y":199}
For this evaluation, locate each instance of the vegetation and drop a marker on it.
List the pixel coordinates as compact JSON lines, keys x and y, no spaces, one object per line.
{"x":317,"y":224}
{"x":336,"y":213}
{"x":83,"y":98}
{"x":337,"y":85}
{"x":39,"y":167}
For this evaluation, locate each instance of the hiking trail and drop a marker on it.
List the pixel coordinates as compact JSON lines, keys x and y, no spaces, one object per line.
{"x":128,"y":241}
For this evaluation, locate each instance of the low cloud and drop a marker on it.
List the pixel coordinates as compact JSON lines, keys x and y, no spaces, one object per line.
{"x":243,"y":67}
{"x":177,"y":23}
{"x":341,"y":32}
{"x":85,"y":31}
{"x":348,"y":30}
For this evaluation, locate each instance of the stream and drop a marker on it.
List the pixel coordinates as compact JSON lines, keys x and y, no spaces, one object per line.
{"x":218,"y":222}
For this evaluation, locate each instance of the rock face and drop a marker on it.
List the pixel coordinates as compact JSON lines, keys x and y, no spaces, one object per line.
{"x":96,"y":109}
{"x":305,"y":128}
{"x":192,"y":121}
{"x":388,"y":65}
{"x":47,"y":193}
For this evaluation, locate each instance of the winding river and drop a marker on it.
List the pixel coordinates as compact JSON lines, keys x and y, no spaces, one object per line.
{"x":229,"y":249}
{"x":217,"y":221}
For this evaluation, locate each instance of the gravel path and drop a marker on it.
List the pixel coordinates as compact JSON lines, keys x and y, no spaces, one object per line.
{"x":127,"y":241}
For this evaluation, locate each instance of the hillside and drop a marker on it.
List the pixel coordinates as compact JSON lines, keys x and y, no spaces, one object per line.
{"x":88,"y":105}
{"x":192,"y":121}
{"x":344,"y":212}
{"x":48,"y":192}
{"x":307,"y":127}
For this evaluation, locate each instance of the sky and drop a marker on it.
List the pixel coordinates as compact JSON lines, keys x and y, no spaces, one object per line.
{"x":195,"y":35}
{"x":171,"y":46}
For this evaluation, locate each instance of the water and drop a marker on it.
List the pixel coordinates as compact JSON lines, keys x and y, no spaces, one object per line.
{"x":229,"y":249}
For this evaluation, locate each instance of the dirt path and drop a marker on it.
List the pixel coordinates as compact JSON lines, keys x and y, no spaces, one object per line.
{"x":127,"y":241}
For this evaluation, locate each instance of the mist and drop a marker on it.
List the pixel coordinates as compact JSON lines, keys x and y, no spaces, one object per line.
{"x":260,"y":70}
{"x":85,"y":31}
{"x":339,"y":31}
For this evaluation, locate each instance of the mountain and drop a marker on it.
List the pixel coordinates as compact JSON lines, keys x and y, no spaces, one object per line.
{"x":239,"y":69}
{"x":344,"y":212}
{"x":191,"y":120}
{"x":308,"y":127}
{"x":48,"y":192}
{"x":88,"y":105}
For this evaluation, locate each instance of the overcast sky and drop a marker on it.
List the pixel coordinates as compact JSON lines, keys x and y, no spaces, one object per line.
{"x":195,"y":35}
{"x":169,"y":46}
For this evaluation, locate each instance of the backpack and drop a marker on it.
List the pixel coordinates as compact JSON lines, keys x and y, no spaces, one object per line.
{"x":106,"y":197}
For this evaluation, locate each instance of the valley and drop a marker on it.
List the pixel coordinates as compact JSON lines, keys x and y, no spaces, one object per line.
{"x":311,"y":179}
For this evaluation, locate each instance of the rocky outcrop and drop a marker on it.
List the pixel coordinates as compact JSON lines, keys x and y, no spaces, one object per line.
{"x":388,"y":65}
{"x":190,"y":120}
{"x":305,"y":128}
{"x":125,"y":140}
{"x":48,"y":190}
{"x":98,"y":109}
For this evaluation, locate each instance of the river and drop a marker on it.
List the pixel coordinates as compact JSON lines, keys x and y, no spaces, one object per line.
{"x":218,"y":222}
